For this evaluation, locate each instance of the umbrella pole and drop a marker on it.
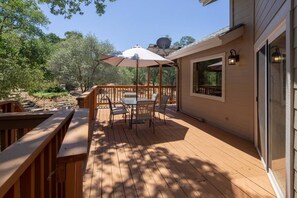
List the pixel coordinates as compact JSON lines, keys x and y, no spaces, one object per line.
{"x":160,"y":82}
{"x":137,"y":79}
{"x":148,"y":82}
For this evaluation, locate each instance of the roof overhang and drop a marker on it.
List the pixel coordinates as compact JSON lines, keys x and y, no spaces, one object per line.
{"x":216,"y":41}
{"x":206,"y":2}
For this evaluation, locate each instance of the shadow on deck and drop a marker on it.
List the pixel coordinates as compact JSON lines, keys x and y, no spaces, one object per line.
{"x":184,"y":158}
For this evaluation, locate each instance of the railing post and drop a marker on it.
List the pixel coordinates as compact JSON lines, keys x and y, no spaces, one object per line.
{"x":114,"y":96}
{"x":95,"y":98}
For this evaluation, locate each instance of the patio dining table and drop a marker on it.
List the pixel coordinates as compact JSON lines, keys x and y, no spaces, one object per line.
{"x":132,"y":102}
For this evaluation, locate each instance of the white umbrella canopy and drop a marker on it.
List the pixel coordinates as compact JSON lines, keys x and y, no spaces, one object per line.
{"x":135,"y":57}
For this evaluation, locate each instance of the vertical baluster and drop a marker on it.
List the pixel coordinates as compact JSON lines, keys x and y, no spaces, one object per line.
{"x":14,"y":191}
{"x":70,"y":180}
{"x":27,"y":185}
{"x":47,"y":170}
{"x":52,"y":177}
{"x":39,"y":175}
{"x":114,"y":95}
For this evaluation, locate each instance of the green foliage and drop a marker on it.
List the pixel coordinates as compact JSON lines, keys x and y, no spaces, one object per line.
{"x":70,"y":7}
{"x":17,"y":69}
{"x":49,"y":95}
{"x":56,"y":89}
{"x":169,"y":76}
{"x":22,"y":17}
{"x":23,"y":46}
{"x":76,"y":34}
{"x":184,"y":41}
{"x":76,"y":61}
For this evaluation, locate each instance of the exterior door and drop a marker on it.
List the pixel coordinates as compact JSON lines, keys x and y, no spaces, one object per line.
{"x":271,"y":108}
{"x":277,"y":110}
{"x":261,"y":99}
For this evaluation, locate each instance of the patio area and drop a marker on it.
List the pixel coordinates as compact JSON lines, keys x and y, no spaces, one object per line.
{"x":184,"y":158}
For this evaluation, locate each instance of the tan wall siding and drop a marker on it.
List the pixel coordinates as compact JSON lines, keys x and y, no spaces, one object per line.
{"x":295,"y":95}
{"x":265,"y":10}
{"x":236,"y":114}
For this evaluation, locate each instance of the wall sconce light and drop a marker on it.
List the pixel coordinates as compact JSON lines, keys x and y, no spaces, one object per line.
{"x":233,"y":58}
{"x":276,"y":56}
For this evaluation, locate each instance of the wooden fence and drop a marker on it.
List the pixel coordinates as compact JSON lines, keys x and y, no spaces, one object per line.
{"x":96,"y":96}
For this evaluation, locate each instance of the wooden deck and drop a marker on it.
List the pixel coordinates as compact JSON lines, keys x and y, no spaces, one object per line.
{"x":184,"y":158}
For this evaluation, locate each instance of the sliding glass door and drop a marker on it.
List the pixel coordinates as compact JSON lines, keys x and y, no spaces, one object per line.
{"x":271,"y":107}
{"x":261,"y":98}
{"x":277,"y":109}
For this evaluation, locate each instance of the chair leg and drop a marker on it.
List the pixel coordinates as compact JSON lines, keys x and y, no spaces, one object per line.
{"x":164,"y":118}
{"x":136,"y":130}
{"x":153,"y":126}
{"x":110,"y":123}
{"x":125,"y":118}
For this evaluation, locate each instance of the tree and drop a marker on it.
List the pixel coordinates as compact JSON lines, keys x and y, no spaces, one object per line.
{"x":184,"y":41}
{"x":76,"y":60}
{"x":169,"y":76}
{"x":22,"y":17}
{"x":70,"y":7}
{"x":76,"y":34}
{"x":19,"y":64}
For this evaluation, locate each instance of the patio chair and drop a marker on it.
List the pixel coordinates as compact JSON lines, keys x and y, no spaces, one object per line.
{"x":155,"y":97}
{"x":144,"y":112}
{"x":162,"y":106}
{"x":116,"y":111}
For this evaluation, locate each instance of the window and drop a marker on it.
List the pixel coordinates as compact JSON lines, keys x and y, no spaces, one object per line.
{"x":208,"y":77}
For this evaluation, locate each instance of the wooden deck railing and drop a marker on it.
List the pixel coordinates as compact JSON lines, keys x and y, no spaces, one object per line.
{"x":97,"y":95}
{"x":72,"y":156}
{"x":28,"y":167}
{"x":10,"y":106}
{"x":13,"y":126}
{"x":88,"y":100}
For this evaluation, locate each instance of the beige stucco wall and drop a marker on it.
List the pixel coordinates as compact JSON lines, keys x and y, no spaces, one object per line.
{"x":236,"y":114}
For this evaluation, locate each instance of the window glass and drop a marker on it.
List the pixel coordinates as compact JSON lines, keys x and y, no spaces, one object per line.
{"x":207,"y":77}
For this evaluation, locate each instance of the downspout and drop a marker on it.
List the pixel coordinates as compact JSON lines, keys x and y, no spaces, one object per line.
{"x":178,"y":102}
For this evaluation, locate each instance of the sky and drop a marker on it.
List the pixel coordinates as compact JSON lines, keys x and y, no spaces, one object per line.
{"x":130,"y":22}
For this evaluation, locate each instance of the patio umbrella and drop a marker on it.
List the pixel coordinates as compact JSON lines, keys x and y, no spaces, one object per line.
{"x":135,"y":57}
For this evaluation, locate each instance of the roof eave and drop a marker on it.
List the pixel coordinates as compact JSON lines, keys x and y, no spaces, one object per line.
{"x":206,"y":2}
{"x":210,"y":43}
{"x":216,"y":41}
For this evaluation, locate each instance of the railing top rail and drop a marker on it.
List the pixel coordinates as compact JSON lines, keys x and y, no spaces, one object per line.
{"x":3,"y":102}
{"x":75,"y":143}
{"x":19,"y":156}
{"x":132,"y":86}
{"x":86,"y":93}
{"x":20,"y":120}
{"x":24,"y":115}
{"x":17,"y":103}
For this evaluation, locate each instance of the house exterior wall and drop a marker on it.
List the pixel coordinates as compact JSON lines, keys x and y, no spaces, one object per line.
{"x":265,"y":11}
{"x":295,"y":94}
{"x":275,"y":12}
{"x":236,"y":113}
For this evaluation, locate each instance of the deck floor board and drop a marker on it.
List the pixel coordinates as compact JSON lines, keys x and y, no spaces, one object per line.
{"x":184,"y":158}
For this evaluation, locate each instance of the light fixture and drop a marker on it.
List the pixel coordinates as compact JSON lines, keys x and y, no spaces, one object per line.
{"x":276,"y":56}
{"x":233,"y":58}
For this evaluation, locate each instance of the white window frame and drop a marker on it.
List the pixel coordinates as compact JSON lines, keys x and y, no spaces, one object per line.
{"x":193,"y":61}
